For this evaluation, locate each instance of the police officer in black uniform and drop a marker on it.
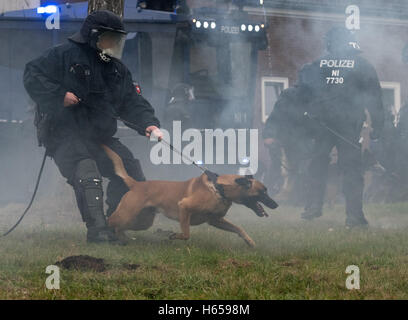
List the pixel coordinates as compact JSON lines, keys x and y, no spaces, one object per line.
{"x":79,"y":88}
{"x":342,"y":85}
{"x":285,"y":128}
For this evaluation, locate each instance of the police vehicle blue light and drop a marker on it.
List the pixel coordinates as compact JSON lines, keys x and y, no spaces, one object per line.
{"x":47,"y":9}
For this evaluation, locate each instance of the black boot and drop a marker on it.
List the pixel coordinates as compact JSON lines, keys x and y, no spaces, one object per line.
{"x":98,"y":231}
{"x":98,"y":235}
{"x":353,"y":221}
{"x":310,"y":214}
{"x":89,"y":195}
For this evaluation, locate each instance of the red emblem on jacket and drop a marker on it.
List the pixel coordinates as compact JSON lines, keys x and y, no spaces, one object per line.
{"x":138,"y":89}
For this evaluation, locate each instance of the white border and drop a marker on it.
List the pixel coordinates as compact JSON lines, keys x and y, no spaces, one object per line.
{"x":283,"y":80}
{"x":396,"y":86}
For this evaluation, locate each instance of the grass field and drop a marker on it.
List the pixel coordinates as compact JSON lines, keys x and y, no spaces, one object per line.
{"x":293,"y":259}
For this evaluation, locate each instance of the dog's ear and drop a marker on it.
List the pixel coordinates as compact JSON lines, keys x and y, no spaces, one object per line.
{"x":244,"y":182}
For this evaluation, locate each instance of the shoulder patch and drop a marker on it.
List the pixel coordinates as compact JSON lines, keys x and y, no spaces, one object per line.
{"x":137,"y":88}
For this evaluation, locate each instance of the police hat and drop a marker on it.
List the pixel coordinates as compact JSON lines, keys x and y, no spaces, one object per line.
{"x":102,"y":20}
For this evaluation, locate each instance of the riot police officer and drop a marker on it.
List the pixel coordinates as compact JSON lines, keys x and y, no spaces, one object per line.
{"x":285,"y":128}
{"x":342,"y":84}
{"x":79,"y":88}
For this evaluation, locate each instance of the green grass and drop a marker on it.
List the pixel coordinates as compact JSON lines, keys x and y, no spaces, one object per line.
{"x":293,"y":259}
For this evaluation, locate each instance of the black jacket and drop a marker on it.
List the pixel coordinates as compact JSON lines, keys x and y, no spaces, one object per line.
{"x":341,"y":87}
{"x":106,"y":89}
{"x":287,"y":117}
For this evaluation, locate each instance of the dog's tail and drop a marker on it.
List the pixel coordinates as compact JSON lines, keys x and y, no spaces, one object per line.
{"x":119,"y":167}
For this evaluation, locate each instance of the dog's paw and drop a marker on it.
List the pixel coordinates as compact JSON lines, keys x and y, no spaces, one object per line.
{"x":161,"y":232}
{"x":177,"y":236}
{"x":250,"y":242}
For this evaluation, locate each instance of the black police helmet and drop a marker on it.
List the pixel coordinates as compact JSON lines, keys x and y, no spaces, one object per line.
{"x":340,"y":39}
{"x":96,"y":23}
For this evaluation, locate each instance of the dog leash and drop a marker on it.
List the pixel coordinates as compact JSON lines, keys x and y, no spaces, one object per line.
{"x":202,"y":168}
{"x":32,"y":198}
{"x":172,"y":148}
{"x":335,"y":133}
{"x":367,"y":153}
{"x":212,"y":176}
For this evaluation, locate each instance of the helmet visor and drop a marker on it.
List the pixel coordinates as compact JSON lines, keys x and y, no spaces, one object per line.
{"x":112,"y":43}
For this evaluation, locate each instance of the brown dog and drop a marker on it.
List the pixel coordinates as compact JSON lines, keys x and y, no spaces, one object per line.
{"x":206,"y":198}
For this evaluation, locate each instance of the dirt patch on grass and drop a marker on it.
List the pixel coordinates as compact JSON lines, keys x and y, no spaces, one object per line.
{"x":83,"y":263}
{"x":88,"y":263}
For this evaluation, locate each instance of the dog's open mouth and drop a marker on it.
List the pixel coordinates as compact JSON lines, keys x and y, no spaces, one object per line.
{"x":255,"y":205}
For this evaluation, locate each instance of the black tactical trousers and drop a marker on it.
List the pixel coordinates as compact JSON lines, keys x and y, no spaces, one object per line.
{"x":298,"y":153}
{"x":70,"y":152}
{"x":274,"y":178}
{"x":350,"y":165}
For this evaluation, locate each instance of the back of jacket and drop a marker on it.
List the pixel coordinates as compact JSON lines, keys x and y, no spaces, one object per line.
{"x":341,"y":87}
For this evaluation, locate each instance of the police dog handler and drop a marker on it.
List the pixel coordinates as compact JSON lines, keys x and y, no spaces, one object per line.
{"x":78,"y":87}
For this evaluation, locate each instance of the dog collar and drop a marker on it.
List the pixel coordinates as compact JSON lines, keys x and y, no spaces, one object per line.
{"x":213,"y":179}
